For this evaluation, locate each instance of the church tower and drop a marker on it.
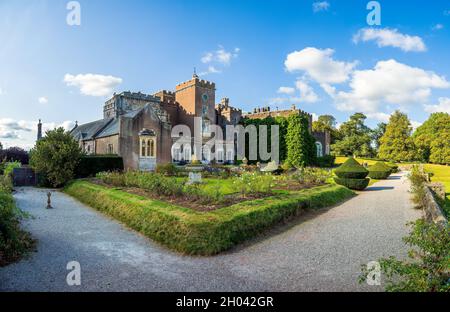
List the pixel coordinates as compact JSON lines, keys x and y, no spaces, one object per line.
{"x":196,"y":98}
{"x":39,"y":132}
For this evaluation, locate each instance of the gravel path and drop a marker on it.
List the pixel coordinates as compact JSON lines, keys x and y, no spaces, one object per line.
{"x":321,"y":252}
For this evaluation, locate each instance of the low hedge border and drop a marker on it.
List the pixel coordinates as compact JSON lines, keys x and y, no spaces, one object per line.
{"x":354,"y":184}
{"x":196,"y":233}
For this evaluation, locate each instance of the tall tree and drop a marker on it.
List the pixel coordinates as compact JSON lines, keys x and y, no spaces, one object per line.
{"x":397,"y":144}
{"x":326,"y":123}
{"x":434,"y":129}
{"x":356,"y":138}
{"x":56,"y":156}
{"x":301,"y":147}
{"x":378,"y":133}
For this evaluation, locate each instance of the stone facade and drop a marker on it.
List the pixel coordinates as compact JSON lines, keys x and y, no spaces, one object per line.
{"x":138,"y":126}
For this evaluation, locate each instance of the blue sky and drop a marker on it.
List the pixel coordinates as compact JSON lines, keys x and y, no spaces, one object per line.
{"x":320,"y":55}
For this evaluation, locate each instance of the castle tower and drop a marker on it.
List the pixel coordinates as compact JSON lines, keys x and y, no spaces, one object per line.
{"x":196,"y":98}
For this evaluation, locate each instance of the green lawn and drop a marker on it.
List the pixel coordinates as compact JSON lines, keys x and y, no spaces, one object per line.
{"x":441,"y":174}
{"x":203,"y":233}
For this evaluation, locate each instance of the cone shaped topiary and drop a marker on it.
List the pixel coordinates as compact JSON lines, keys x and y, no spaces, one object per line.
{"x":379,"y":171}
{"x":351,"y":169}
{"x":352,"y":175}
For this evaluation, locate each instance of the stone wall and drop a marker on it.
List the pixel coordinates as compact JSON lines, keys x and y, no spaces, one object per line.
{"x":102,"y":145}
{"x":432,"y":210}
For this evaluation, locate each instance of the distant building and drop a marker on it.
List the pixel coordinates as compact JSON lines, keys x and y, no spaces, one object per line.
{"x":138,"y":126}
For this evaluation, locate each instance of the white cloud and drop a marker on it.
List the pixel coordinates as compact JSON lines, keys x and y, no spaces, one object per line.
{"x":211,"y":70}
{"x":319,"y":65}
{"x":220,"y":56}
{"x":379,"y":116}
{"x":320,"y":6}
{"x":442,"y":106}
{"x":390,"y":82}
{"x":307,"y":93}
{"x":437,"y":27}
{"x":93,"y":84}
{"x":286,"y":90}
{"x":43,"y":100}
{"x":315,"y":116}
{"x":390,"y":38}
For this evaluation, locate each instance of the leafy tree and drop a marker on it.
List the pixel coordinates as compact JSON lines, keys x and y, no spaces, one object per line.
{"x":397,"y":144}
{"x":13,"y":154}
{"x":301,"y":147}
{"x":356,"y":138}
{"x":326,"y":123}
{"x":56,"y":156}
{"x":378,"y":133}
{"x":436,"y":128}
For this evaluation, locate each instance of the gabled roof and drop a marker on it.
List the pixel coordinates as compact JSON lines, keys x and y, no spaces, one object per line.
{"x":110,"y":129}
{"x":90,"y":130}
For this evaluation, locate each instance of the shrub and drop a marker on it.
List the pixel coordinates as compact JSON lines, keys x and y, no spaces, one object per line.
{"x":353,"y":184}
{"x":13,"y":241}
{"x":9,"y":168}
{"x":428,"y":268}
{"x":255,"y":183}
{"x":56,"y":156}
{"x":168,"y":169}
{"x":13,"y":154}
{"x":379,"y":171}
{"x":394,"y":167}
{"x":326,"y":161}
{"x":351,"y":169}
{"x":311,"y":176}
{"x":6,"y":185}
{"x":89,"y":166}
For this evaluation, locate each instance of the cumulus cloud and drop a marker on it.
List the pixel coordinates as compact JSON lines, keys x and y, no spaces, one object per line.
{"x":320,"y":6}
{"x":437,"y":27}
{"x":388,"y":82}
{"x":319,"y":65}
{"x":211,"y":70}
{"x":218,"y":59}
{"x":43,"y":100}
{"x":415,"y":124}
{"x":390,"y":38}
{"x":286,"y":90}
{"x":443,"y":106}
{"x":307,"y":93}
{"x":93,"y":84}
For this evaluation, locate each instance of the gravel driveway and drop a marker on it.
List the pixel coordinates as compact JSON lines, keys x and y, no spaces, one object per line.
{"x":321,"y":252}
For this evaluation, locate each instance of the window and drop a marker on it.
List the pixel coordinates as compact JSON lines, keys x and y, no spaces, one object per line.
{"x":319,"y":149}
{"x":110,"y":149}
{"x":148,"y":148}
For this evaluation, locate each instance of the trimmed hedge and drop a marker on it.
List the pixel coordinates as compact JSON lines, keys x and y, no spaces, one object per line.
{"x":89,"y":166}
{"x":351,"y":169}
{"x":353,"y":184}
{"x":394,"y":167}
{"x":199,"y":233}
{"x":379,"y":171}
{"x":326,"y":161}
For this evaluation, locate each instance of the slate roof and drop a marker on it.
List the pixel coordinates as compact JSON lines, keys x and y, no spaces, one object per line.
{"x":111,"y":129}
{"x":90,"y":130}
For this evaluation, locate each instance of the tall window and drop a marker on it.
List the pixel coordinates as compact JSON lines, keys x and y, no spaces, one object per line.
{"x":148,"y":147}
{"x":319,"y":149}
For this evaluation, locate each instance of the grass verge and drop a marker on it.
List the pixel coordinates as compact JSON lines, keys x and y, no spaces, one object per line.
{"x":196,"y":233}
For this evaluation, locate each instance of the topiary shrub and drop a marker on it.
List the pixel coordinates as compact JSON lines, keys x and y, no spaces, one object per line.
{"x":394,"y":167}
{"x":379,"y":171}
{"x":352,"y":175}
{"x":89,"y":166}
{"x":353,"y":184}
{"x":351,"y":169}
{"x":326,"y":161}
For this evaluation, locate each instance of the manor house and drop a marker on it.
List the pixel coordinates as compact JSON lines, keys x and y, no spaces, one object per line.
{"x":138,"y":126}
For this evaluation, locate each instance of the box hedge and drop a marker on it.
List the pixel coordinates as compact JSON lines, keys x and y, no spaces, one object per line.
{"x":326,"y":161}
{"x":89,"y":166}
{"x":203,"y":233}
{"x":351,"y":169}
{"x":379,"y":171}
{"x":353,"y":184}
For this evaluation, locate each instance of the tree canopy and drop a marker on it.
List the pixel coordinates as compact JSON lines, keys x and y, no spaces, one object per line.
{"x":327,"y":123}
{"x":431,"y":139}
{"x":356,"y":138}
{"x":397,"y":144}
{"x":56,"y":156}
